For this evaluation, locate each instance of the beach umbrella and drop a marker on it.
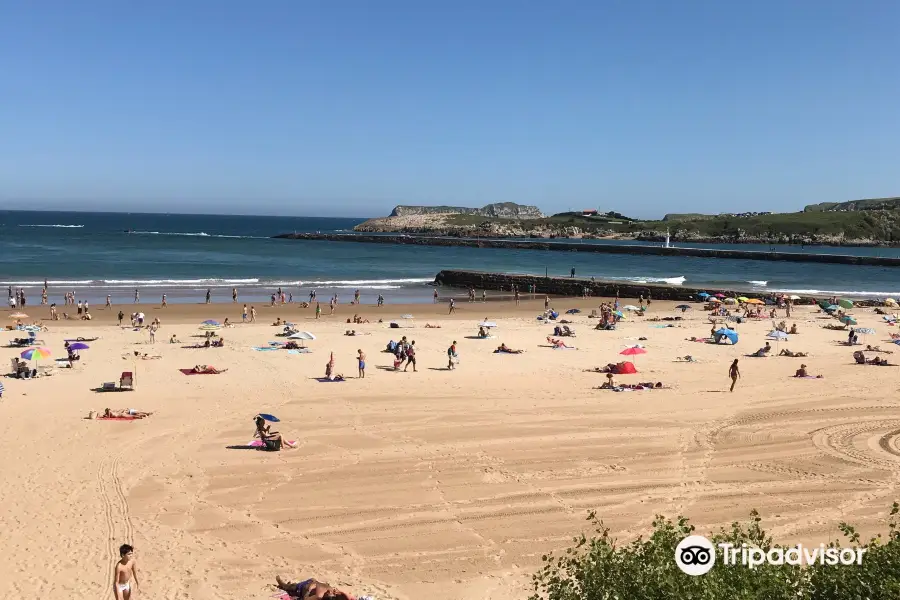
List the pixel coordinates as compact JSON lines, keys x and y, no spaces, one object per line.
{"x":702,"y":295}
{"x":18,"y":315}
{"x":730,"y":301}
{"x":630,"y":307}
{"x":625,"y":368}
{"x":714,"y":300}
{"x":777,"y":335}
{"x":743,"y":298}
{"x":728,"y":333}
{"x":633,"y":351}
{"x":406,"y":317}
{"x":36,"y":353}
{"x":211,"y":322}
{"x":848,"y":320}
{"x":619,"y":314}
{"x":78,"y":346}
{"x":683,"y":307}
{"x":302,"y":335}
{"x":269,"y":417}
{"x":890,"y":302}
{"x":830,"y":307}
{"x":487,"y":324}
{"x":866,"y":331}
{"x":573,"y":311}
{"x":754,"y":301}
{"x":845,"y":303}
{"x":795,"y":297}
{"x":720,"y":295}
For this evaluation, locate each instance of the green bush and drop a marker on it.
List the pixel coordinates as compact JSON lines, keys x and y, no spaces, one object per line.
{"x":596,"y":568}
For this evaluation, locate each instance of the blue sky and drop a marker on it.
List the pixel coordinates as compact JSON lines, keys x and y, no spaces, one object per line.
{"x":348,"y":107}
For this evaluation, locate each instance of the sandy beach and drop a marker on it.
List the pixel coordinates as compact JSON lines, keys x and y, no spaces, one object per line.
{"x":447,"y":485}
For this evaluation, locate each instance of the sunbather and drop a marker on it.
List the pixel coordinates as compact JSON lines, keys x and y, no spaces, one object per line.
{"x":877,"y":349}
{"x":329,"y":370}
{"x":272,"y":439}
{"x":786,"y":352}
{"x":145,"y":356}
{"x":764,"y":351}
{"x":207,"y":369}
{"x":610,"y":383}
{"x":126,"y":412}
{"x":558,"y":343}
{"x":312,"y":589}
{"x":802,"y":372}
{"x":430,"y":326}
{"x":174,"y":339}
{"x":793,"y":330}
{"x":503,"y":348}
{"x":881,"y":362}
{"x":482,"y":333}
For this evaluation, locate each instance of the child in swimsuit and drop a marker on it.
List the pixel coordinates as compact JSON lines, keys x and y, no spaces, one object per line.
{"x":126,"y":571}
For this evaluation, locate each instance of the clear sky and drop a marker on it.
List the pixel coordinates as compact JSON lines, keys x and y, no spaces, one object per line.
{"x":348,"y":107}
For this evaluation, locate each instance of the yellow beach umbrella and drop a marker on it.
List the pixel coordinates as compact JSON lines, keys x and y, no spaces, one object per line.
{"x":755,"y":301}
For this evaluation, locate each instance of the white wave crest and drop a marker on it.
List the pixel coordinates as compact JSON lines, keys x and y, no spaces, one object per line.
{"x":367,"y":282}
{"x":845,"y":293}
{"x":758,"y":283}
{"x":667,"y":280}
{"x":63,"y":226}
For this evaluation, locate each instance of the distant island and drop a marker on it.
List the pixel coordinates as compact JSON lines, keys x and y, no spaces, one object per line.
{"x":867,"y":222}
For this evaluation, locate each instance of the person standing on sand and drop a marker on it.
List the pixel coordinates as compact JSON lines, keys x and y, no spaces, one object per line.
{"x":484,"y":295}
{"x":734,"y":373}
{"x":435,"y":295}
{"x":546,"y":302}
{"x":164,"y":302}
{"x":108,"y":301}
{"x":517,"y":297}
{"x":452,"y":306}
{"x":411,"y":357}
{"x":234,"y":295}
{"x":253,"y":314}
{"x":361,"y":359}
{"x":451,"y":355}
{"x":121,"y":316}
{"x":318,"y":310}
{"x":244,"y":314}
{"x":125,"y":573}
{"x":208,"y":295}
{"x":137,"y":296}
{"x":572,"y":273}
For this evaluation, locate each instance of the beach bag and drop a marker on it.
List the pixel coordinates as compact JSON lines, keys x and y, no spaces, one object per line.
{"x":273,"y":445}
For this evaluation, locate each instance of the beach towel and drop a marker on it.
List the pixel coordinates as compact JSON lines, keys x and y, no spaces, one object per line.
{"x":265,"y":348}
{"x":123,"y":418}
{"x":565,"y":348}
{"x":808,"y":377}
{"x":326,"y":380}
{"x":262,"y":444}
{"x":192,"y":372}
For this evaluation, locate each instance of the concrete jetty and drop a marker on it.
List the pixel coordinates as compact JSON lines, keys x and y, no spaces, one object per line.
{"x":570,"y":246}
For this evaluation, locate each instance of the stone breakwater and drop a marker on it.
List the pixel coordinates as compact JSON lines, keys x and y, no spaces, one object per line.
{"x":575,"y":287}
{"x":844,"y":259}
{"x":566,"y":286}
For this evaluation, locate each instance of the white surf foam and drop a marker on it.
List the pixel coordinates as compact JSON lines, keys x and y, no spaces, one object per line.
{"x":667,"y":280}
{"x":63,"y":226}
{"x":758,"y":283}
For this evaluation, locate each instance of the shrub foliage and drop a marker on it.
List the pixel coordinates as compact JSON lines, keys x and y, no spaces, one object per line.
{"x":597,"y":568}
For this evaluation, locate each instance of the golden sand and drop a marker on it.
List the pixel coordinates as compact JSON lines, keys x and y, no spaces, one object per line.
{"x":437,"y":484}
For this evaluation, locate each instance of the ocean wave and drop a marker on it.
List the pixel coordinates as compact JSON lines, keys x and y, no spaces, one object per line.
{"x":845,"y":293}
{"x":63,"y":226}
{"x":758,"y":283}
{"x":373,"y":284}
{"x":667,"y":280}
{"x":198,"y":234}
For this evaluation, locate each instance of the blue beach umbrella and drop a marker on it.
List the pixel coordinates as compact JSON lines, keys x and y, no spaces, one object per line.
{"x":210,"y":322}
{"x":702,"y":294}
{"x":269,"y":417}
{"x":831,"y":307}
{"x":848,"y":320}
{"x":727,"y":333}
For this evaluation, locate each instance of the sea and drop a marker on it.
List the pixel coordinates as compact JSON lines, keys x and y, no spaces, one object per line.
{"x":100,"y":254}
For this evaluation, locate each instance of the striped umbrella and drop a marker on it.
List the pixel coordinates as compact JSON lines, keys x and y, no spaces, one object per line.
{"x":1,"y":388}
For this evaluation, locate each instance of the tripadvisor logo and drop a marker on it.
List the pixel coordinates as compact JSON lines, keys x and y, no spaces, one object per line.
{"x":696,"y":555}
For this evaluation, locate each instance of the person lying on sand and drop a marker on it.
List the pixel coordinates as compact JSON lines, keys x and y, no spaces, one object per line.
{"x":503,"y":348}
{"x":206,"y":369}
{"x":558,"y":343}
{"x":145,"y":356}
{"x":430,"y":326}
{"x":764,"y":351}
{"x":312,"y":589}
{"x":802,"y":372}
{"x":877,"y":349}
{"x":786,"y":352}
{"x":685,"y":358}
{"x":609,"y":368}
{"x":881,"y":362}
{"x":125,"y":412}
{"x":329,"y":370}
